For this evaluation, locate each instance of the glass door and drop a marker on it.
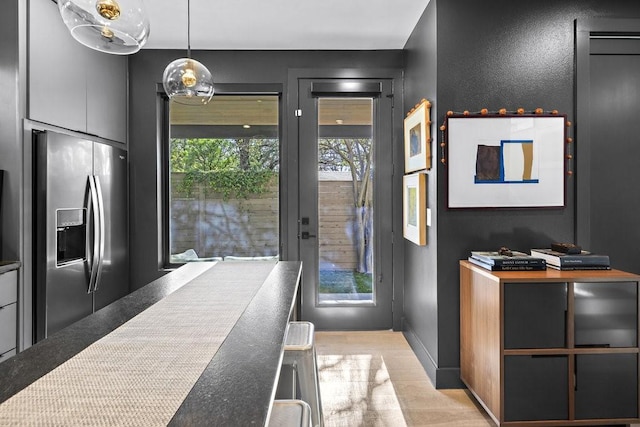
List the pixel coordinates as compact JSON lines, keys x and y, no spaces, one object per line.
{"x":344,"y":228}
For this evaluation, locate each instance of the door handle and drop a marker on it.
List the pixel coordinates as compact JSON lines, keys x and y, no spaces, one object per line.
{"x":305,"y":235}
{"x":102,"y":232}
{"x":96,"y":234}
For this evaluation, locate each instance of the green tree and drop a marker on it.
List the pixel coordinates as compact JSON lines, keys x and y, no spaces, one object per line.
{"x":202,"y":154}
{"x":354,"y":155}
{"x":229,"y":166}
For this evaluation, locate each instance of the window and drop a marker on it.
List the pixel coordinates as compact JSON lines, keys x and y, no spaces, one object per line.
{"x":223,"y":180}
{"x":345,"y":200}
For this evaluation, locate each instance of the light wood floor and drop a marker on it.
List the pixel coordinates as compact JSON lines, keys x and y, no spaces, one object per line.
{"x":375,"y":379}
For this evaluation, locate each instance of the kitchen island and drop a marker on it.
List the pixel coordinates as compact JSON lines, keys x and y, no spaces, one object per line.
{"x":200,"y":346}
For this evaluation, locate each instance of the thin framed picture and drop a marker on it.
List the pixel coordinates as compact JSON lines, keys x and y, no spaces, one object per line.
{"x":506,"y":162}
{"x":414,"y":210}
{"x":417,"y":138}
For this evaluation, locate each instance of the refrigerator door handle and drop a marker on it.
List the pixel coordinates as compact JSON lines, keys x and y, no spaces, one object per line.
{"x":96,"y":234}
{"x":101,"y":229}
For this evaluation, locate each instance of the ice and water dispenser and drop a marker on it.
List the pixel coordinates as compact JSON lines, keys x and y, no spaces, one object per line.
{"x":71,"y":240}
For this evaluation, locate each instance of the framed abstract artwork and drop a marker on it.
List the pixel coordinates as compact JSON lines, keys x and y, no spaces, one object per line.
{"x":414,"y":210}
{"x":417,"y":138}
{"x":506,"y":161}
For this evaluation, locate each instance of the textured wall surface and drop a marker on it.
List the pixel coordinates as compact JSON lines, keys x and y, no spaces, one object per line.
{"x":493,"y":54}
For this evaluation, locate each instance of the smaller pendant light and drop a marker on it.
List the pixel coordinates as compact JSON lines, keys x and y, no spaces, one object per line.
{"x":185,"y":80}
{"x":119,"y":27}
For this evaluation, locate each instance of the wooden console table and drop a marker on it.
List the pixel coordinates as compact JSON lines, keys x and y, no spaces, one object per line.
{"x":200,"y":346}
{"x":552,"y":348}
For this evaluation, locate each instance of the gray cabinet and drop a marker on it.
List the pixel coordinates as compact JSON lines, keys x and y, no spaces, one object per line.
{"x":535,"y":315}
{"x":535,"y":387}
{"x":606,"y":315}
{"x":107,"y":95}
{"x":70,"y":85}
{"x":606,"y":386}
{"x":8,"y":314}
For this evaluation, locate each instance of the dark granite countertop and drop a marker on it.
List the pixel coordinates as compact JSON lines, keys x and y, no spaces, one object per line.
{"x":237,"y":386}
{"x":6,"y":266}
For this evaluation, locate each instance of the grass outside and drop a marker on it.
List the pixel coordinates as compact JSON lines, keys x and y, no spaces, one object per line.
{"x":344,"y":282}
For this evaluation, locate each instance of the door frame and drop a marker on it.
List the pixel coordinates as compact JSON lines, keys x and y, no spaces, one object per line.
{"x":291,"y":153}
{"x":584,"y":29}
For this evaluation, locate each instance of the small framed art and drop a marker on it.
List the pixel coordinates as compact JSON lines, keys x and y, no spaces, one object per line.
{"x":417,"y":138}
{"x":414,"y":210}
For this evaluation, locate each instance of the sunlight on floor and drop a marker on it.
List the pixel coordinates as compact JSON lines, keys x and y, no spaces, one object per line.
{"x":356,"y":390}
{"x":373,"y":379}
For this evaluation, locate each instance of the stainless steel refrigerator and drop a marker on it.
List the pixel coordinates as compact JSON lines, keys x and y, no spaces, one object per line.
{"x":80,"y":229}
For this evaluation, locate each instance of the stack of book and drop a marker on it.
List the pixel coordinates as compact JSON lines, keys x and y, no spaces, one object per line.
{"x":516,"y":261}
{"x":583,"y":260}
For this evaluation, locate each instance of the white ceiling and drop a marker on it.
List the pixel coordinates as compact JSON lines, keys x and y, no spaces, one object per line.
{"x":283,"y":24}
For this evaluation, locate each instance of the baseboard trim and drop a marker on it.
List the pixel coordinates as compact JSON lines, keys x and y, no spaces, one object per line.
{"x":420,"y":351}
{"x":441,"y":378}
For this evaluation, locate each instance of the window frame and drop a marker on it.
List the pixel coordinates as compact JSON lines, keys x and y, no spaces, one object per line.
{"x":164,"y":125}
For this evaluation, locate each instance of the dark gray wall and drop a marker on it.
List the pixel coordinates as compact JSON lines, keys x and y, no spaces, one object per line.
{"x":420,"y":263}
{"x":490,"y":54}
{"x":255,"y":67}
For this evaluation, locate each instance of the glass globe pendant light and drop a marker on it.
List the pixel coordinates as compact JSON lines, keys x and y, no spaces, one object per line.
{"x":119,"y":27}
{"x":185,"y":80}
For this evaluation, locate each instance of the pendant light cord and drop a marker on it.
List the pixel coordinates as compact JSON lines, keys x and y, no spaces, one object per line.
{"x":189,"y":29}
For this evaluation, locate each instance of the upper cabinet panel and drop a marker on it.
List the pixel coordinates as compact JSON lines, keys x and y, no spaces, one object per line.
{"x":70,"y":85}
{"x":106,"y":95}
{"x":57,"y":87}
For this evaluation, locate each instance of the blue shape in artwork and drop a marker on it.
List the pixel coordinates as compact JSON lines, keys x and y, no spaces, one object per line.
{"x":504,"y":165}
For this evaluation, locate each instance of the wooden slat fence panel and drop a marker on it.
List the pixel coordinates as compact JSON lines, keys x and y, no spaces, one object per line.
{"x":215,"y":227}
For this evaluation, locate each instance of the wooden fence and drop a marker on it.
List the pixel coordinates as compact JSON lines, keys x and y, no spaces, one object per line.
{"x":336,"y":226}
{"x":215,"y":227}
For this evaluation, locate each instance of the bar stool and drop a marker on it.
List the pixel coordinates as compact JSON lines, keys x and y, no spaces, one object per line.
{"x":290,"y":413}
{"x":300,"y":355}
